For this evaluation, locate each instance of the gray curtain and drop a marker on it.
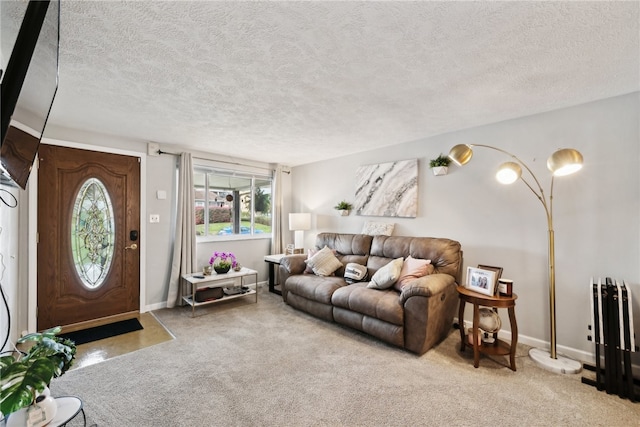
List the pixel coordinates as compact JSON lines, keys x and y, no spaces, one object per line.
{"x":184,"y":244}
{"x":277,"y":246}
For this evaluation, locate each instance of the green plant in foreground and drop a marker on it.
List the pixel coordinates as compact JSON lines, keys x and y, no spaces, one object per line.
{"x":23,"y":377}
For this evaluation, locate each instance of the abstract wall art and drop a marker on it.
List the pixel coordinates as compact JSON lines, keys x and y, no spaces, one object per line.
{"x":387,"y":189}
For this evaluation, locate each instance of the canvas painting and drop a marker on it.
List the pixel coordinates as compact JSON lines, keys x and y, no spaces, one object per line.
{"x":387,"y":189}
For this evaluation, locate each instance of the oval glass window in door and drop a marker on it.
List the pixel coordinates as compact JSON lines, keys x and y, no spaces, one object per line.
{"x":92,"y":233}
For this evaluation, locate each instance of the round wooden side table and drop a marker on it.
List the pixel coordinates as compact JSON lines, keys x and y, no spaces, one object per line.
{"x":498,"y":347}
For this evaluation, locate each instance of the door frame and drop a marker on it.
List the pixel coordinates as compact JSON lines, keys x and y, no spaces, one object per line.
{"x":33,"y":224}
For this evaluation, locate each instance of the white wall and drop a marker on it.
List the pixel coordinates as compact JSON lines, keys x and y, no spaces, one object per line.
{"x":161,"y":176}
{"x":596,"y":211}
{"x":13,"y":279}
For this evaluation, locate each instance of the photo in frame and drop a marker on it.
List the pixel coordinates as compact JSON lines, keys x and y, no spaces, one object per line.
{"x":498,"y":271}
{"x":481,"y":281}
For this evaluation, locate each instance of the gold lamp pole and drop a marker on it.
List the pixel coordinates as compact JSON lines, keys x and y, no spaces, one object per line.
{"x":563,"y":162}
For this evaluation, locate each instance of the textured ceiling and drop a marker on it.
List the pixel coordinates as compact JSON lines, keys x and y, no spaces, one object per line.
{"x":296,"y":82}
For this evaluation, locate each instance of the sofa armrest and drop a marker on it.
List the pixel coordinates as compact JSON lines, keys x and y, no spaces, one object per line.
{"x":290,"y":265}
{"x":427,"y":286}
{"x":429,"y":306}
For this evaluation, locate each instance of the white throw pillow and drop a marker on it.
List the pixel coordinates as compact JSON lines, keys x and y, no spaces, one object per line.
{"x":386,"y":276}
{"x":324,"y":262}
{"x":378,"y":228}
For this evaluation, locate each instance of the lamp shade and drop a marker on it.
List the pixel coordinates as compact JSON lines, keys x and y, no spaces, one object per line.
{"x":508,"y":173}
{"x":299,"y":221}
{"x":461,"y":154}
{"x":565,"y":162}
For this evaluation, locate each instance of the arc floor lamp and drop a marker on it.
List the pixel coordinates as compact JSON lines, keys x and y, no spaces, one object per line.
{"x":563,"y":162}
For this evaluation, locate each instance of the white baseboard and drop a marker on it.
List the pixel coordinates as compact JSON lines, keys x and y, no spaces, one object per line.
{"x":156,"y":306}
{"x":572,"y":353}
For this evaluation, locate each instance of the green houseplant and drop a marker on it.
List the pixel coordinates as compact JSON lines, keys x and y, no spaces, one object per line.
{"x":440,"y":164}
{"x":23,"y":377}
{"x":343,"y":207}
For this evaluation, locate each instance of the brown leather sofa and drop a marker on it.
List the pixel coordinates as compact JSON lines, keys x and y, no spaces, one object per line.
{"x":416,"y":319}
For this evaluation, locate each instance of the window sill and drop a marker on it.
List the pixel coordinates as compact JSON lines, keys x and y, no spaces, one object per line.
{"x":231,"y":237}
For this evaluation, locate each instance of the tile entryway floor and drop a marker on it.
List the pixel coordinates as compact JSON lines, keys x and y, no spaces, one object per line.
{"x":153,"y":332}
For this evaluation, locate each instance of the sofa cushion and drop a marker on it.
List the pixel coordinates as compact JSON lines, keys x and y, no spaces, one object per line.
{"x":412,"y":268}
{"x":386,"y":276}
{"x":445,"y":254}
{"x":345,"y":244}
{"x":315,"y":288}
{"x":324,"y":262}
{"x":384,"y":305}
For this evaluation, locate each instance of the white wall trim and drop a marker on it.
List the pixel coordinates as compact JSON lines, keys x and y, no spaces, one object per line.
{"x":572,"y":353}
{"x":33,"y":223}
{"x":32,"y":263}
{"x":152,"y":307}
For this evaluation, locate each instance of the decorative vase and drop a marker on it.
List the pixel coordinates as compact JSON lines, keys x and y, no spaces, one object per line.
{"x":343,"y":212}
{"x":440,"y":170}
{"x":42,"y":411}
{"x":221,"y":270}
{"x":206,"y":270}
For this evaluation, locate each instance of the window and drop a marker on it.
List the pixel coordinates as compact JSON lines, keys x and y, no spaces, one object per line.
{"x":229,"y":203}
{"x":92,"y":233}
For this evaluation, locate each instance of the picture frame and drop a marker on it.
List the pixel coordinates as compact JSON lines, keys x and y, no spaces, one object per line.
{"x":498,"y":271}
{"x":481,"y":281}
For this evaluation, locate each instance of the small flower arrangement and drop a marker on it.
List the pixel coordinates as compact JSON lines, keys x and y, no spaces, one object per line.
{"x":224,"y":260}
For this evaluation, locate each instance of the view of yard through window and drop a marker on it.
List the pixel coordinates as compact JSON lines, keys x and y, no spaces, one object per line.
{"x":231,"y":204}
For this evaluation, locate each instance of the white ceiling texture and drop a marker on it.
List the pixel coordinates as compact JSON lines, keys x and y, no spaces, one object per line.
{"x":297,"y":82}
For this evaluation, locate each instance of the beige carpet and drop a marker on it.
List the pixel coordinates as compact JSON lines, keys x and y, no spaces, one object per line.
{"x":266,"y":364}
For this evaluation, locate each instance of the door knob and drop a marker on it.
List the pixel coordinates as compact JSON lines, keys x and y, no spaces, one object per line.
{"x":132,"y":247}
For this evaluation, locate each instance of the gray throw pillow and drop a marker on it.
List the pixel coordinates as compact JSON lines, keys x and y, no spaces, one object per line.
{"x":386,"y":276}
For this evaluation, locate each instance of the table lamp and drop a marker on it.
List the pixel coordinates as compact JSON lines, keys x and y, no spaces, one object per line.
{"x":299,"y":222}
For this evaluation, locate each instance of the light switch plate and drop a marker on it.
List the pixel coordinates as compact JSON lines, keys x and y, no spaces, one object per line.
{"x":161,"y":194}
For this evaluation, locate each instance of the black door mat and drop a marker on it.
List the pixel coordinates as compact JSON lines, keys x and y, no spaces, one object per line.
{"x":105,"y":331}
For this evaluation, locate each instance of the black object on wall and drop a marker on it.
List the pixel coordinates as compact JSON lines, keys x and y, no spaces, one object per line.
{"x":20,"y":59}
{"x":17,"y":152}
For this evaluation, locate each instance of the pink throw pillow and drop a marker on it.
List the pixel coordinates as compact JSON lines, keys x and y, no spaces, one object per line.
{"x":412,"y":269}
{"x":310,"y":253}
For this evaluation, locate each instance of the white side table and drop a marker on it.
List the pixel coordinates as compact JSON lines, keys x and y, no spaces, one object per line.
{"x":199,"y":280}
{"x":68,"y":408}
{"x":273,"y":260}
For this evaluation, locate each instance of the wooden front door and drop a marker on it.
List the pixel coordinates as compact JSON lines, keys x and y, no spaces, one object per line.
{"x":88,"y":237}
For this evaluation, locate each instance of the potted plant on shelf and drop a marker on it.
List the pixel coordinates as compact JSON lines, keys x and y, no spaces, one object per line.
{"x":24,"y":378}
{"x":222,"y":262}
{"x":440,"y":164}
{"x":343,"y":208}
